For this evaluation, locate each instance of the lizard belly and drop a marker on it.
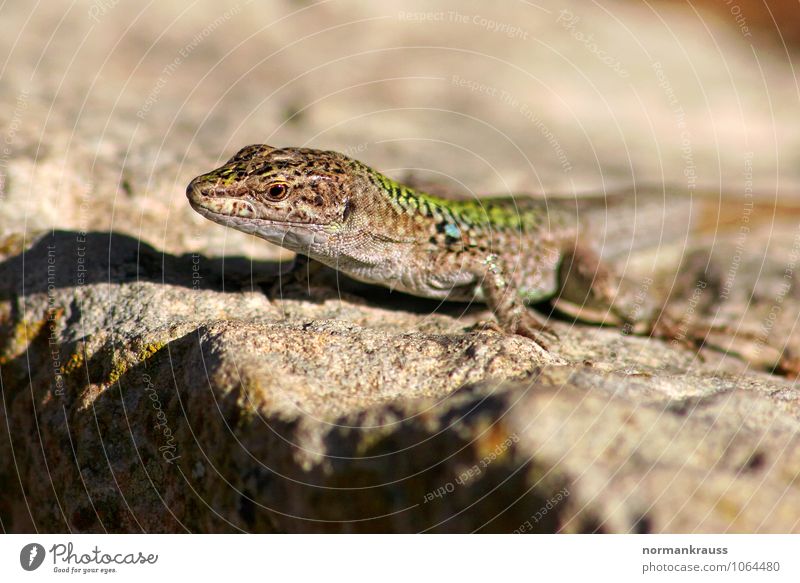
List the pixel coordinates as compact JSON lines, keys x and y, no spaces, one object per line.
{"x":457,"y":285}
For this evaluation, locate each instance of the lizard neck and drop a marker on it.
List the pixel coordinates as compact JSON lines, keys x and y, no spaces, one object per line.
{"x":404,"y":198}
{"x":477,"y":216}
{"x":427,"y":208}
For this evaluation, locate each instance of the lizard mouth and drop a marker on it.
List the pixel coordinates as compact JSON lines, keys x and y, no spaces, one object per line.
{"x":221,"y":206}
{"x":233,"y":211}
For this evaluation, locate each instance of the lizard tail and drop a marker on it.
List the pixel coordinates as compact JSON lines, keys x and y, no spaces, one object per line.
{"x":646,"y":218}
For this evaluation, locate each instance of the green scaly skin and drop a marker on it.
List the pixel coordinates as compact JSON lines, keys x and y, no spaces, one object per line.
{"x":506,"y":252}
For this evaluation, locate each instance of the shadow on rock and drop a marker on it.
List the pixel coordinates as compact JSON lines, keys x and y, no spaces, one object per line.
{"x":63,"y":259}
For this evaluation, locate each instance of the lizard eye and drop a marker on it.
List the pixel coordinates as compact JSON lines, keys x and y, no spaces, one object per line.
{"x":277,"y":191}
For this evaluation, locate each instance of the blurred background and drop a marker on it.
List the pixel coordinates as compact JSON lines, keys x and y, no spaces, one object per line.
{"x":110,"y":107}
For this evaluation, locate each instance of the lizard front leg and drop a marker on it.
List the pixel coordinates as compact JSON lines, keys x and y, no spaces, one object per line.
{"x":299,"y":275}
{"x":503,"y":298}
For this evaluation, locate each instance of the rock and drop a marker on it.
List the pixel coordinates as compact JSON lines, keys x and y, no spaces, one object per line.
{"x":163,"y":374}
{"x":163,"y":402}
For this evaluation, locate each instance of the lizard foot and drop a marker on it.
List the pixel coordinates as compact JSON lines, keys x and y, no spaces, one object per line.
{"x":529,"y":326}
{"x":680,"y":333}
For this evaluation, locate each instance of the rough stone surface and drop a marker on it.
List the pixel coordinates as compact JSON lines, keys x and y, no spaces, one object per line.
{"x":162,"y":374}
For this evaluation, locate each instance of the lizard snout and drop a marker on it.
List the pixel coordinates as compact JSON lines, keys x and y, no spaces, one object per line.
{"x":213,"y":185}
{"x":195,"y":192}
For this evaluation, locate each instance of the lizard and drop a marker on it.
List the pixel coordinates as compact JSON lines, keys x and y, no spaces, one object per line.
{"x":507,"y":252}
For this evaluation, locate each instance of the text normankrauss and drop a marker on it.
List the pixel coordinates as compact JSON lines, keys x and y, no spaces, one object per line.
{"x":690,"y":550}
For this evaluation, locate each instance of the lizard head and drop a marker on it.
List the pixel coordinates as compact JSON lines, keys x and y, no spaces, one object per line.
{"x":295,"y":197}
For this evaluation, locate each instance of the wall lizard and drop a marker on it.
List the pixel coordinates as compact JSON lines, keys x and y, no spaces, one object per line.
{"x":505,"y":251}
